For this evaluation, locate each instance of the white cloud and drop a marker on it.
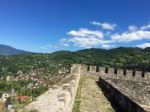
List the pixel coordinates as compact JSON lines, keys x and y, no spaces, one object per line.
{"x":132,"y":28}
{"x":46,"y":47}
{"x":145,"y":27}
{"x":85,"y":38}
{"x":87,"y":42}
{"x":108,"y":26}
{"x":144,"y":45}
{"x":84,"y":42}
{"x":96,"y":23}
{"x":106,"y":46}
{"x":131,"y":36}
{"x":66,"y":45}
{"x":63,"y":40}
{"x":84,"y":32}
{"x":105,"y":25}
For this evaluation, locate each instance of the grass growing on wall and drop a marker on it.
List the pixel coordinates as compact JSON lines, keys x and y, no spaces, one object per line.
{"x":77,"y":103}
{"x":110,"y":110}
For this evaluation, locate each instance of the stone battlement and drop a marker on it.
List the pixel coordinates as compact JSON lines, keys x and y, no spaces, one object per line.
{"x":116,"y":73}
{"x":128,"y":88}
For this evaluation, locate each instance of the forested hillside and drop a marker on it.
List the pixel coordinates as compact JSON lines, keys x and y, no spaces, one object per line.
{"x":50,"y":63}
{"x":131,"y":58}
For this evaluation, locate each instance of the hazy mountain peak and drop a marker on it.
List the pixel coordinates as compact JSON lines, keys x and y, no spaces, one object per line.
{"x":8,"y":50}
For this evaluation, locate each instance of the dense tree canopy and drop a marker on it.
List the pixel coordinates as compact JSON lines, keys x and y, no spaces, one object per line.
{"x":50,"y":63}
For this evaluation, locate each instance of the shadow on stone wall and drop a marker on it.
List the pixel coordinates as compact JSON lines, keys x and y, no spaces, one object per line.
{"x":114,"y":104}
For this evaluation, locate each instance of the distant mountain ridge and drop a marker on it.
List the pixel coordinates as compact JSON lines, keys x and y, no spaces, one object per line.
{"x":121,"y":57}
{"x":8,"y":50}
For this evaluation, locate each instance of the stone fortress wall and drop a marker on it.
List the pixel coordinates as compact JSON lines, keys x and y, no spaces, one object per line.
{"x":75,"y":71}
{"x":130,"y":89}
{"x":60,"y":97}
{"x":67,"y":96}
{"x":115,"y":73}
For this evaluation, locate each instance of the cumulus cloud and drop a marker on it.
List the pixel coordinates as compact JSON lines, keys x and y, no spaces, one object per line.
{"x":84,"y":32}
{"x":85,"y":38}
{"x":87,"y":42}
{"x":134,"y":33}
{"x":105,"y":25}
{"x":131,"y":36}
{"x":145,"y":27}
{"x":84,"y":42}
{"x":144,"y":45}
{"x":132,"y":28}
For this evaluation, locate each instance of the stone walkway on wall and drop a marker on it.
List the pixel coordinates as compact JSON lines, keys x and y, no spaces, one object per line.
{"x":59,"y":98}
{"x":90,"y":98}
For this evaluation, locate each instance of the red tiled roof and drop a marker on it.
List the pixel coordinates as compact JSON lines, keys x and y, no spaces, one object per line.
{"x":23,"y":98}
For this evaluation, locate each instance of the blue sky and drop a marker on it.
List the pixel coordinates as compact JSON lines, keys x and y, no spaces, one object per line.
{"x":51,"y":25}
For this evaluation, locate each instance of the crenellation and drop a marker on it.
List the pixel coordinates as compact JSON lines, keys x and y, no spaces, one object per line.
{"x":111,"y":71}
{"x":102,"y":70}
{"x":106,"y":70}
{"x":143,"y":73}
{"x":129,"y":74}
{"x":147,"y":76}
{"x":115,"y":70}
{"x":129,"y":88}
{"x":116,"y":73}
{"x":97,"y":68}
{"x":138,"y":76}
{"x":124,"y":72}
{"x":93,"y":69}
{"x":84,"y":68}
{"x":120,"y":73}
{"x":133,"y":72}
{"x":88,"y":67}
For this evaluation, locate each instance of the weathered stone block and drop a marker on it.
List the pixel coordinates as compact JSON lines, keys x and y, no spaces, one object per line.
{"x":93,"y":69}
{"x":129,"y":74}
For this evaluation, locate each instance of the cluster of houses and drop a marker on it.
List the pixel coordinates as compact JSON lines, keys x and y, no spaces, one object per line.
{"x":7,"y":105}
{"x":35,"y":79}
{"x":4,"y":104}
{"x":38,"y":79}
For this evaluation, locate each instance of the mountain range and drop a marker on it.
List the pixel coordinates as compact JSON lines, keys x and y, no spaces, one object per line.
{"x":8,"y":50}
{"x":120,"y":57}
